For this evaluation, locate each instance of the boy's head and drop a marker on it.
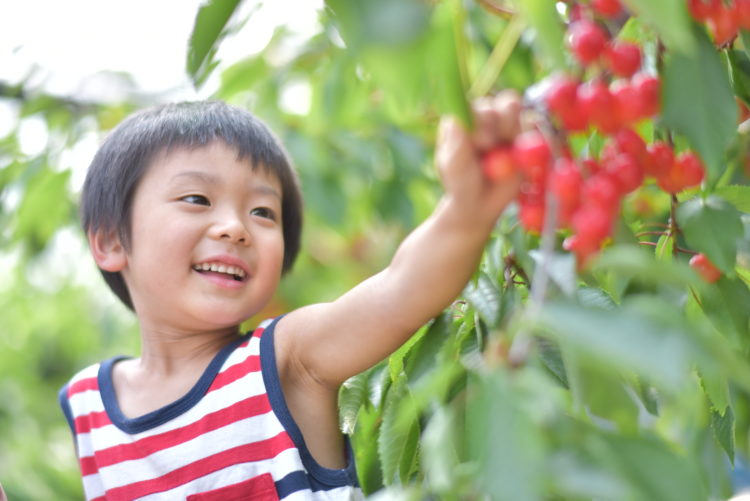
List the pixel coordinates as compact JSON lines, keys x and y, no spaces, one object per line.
{"x":127,"y":154}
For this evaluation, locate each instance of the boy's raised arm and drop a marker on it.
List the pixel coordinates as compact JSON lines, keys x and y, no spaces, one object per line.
{"x":334,"y":341}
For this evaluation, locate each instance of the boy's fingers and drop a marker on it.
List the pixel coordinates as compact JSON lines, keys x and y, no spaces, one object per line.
{"x":508,"y":106}
{"x":496,"y":119}
{"x":485,"y":123}
{"x":450,"y":132}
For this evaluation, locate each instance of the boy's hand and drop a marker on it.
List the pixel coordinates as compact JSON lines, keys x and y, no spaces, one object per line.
{"x":458,"y":157}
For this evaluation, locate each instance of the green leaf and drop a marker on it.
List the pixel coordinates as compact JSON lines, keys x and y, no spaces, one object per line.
{"x":388,"y":23}
{"x":503,"y":441}
{"x":440,"y":449}
{"x":621,"y":340}
{"x":542,"y":16}
{"x":713,"y":227}
{"x":210,"y":23}
{"x":638,"y":263}
{"x":737,"y":195}
{"x":485,"y":297}
{"x":698,"y":101}
{"x":716,"y":388}
{"x":561,"y":268}
{"x":739,"y":66}
{"x":656,"y":470}
{"x":352,"y":396}
{"x":422,"y":359}
{"x":723,"y":426}
{"x":551,"y":356}
{"x":669,"y":18}
{"x":451,"y":85}
{"x":396,"y":445}
{"x":606,"y":396}
{"x":242,"y":76}
{"x":664,"y":248}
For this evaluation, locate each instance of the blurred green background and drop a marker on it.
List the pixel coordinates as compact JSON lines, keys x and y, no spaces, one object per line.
{"x":356,"y":98}
{"x":365,"y":182}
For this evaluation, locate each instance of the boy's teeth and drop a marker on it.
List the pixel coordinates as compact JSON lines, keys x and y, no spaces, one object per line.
{"x":220,"y":268}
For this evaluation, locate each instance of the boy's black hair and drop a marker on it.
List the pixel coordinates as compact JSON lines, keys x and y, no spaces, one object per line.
{"x":127,"y":152}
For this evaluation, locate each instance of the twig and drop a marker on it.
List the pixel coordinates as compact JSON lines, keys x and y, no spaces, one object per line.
{"x":522,"y":342}
{"x":497,"y":59}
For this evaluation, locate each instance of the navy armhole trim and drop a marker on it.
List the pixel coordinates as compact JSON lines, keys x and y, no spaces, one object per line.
{"x":169,"y":411}
{"x":326,"y":478}
{"x":62,"y":398}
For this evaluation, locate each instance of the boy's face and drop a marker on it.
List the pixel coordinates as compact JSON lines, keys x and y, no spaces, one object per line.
{"x":207,"y":245}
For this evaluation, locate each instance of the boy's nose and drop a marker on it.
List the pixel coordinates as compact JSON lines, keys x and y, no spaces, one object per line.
{"x":231,"y":229}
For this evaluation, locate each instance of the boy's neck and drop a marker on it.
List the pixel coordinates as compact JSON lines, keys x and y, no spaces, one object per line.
{"x":168,"y":353}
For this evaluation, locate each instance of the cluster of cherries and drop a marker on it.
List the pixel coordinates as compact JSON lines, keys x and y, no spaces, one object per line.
{"x":724,"y":19}
{"x":588,"y":192}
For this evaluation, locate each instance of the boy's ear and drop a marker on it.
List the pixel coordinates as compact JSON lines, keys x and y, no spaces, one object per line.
{"x":107,"y":250}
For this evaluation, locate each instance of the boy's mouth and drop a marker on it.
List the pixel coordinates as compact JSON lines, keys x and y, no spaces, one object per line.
{"x":235,"y":272}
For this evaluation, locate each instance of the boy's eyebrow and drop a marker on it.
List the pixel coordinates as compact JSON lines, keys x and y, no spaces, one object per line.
{"x":201,"y":176}
{"x":205,"y":177}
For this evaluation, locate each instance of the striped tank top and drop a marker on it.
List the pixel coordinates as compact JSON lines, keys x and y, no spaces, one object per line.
{"x":230,"y":437}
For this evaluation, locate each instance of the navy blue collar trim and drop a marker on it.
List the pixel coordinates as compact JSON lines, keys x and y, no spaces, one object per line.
{"x":169,"y":411}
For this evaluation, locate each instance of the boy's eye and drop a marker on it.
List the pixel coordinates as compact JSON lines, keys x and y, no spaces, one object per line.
{"x":196,"y":199}
{"x":264,"y":212}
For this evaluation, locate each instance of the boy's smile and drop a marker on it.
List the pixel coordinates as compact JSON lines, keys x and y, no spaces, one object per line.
{"x":207,"y":246}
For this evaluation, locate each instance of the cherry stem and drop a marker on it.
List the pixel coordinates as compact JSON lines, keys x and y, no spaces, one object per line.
{"x":677,"y":250}
{"x":644,"y":233}
{"x":512,"y":265}
{"x":498,"y":10}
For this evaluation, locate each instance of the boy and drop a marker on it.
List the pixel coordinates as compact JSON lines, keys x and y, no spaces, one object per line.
{"x":193,"y":213}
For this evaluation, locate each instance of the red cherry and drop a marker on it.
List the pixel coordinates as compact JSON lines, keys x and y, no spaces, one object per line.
{"x":587,"y":40}
{"x":577,"y":12}
{"x":627,"y":102}
{"x":723,"y":25}
{"x":592,"y":225}
{"x":531,"y":193}
{"x":561,"y":95}
{"x":591,"y":166}
{"x":498,"y":165}
{"x":599,"y":105}
{"x":601,"y":190}
{"x":687,"y":171}
{"x":627,"y":173}
{"x":583,"y":254}
{"x":691,"y":168}
{"x":649,"y":93}
{"x":705,"y":268}
{"x":742,"y":12}
{"x":565,"y":182}
{"x":575,"y":119}
{"x":607,"y":8}
{"x":531,"y":216}
{"x":670,"y":181}
{"x":532,"y":154}
{"x":623,"y":58}
{"x":628,"y":141}
{"x":701,"y":10}
{"x":660,"y":159}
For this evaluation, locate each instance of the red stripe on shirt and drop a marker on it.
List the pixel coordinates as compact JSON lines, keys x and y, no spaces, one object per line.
{"x":87,"y":422}
{"x":146,"y":446}
{"x":235,"y":372}
{"x":89,"y":383}
{"x":256,"y":451}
